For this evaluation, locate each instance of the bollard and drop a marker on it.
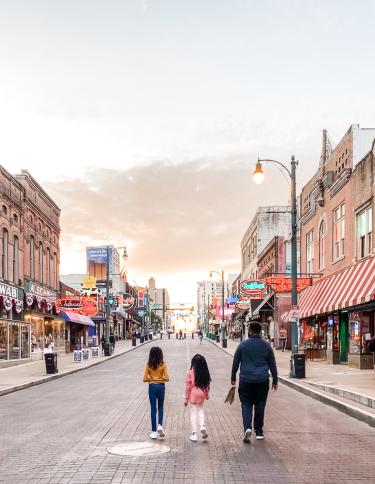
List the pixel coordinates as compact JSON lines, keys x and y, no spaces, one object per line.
{"x":169,"y":335}
{"x":134,"y":341}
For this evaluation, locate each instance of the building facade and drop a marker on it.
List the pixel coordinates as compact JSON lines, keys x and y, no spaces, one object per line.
{"x":336,"y":246}
{"x":266,"y":223}
{"x":30,"y":234}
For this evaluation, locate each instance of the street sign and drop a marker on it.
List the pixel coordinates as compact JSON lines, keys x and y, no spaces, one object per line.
{"x":294,"y":313}
{"x":141,"y":313}
{"x":103,"y":283}
{"x":157,"y":306}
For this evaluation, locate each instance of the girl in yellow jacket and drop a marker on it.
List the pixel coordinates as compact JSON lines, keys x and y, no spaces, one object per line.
{"x":156,"y":374}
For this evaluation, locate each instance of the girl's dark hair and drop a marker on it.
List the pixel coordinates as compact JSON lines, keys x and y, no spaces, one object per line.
{"x":201,"y":373}
{"x":156,"y":357}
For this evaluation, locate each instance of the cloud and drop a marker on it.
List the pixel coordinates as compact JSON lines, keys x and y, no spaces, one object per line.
{"x":168,"y":226}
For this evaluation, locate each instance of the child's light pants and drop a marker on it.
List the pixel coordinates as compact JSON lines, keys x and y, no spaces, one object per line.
{"x":196,"y":411}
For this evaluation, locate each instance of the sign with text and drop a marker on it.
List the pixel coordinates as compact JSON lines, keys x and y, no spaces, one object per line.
{"x":227,"y":311}
{"x":284,"y":284}
{"x":128,"y":301}
{"x":253,"y":288}
{"x":84,"y":305}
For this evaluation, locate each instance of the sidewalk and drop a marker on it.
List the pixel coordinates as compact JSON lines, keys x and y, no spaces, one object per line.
{"x":348,"y":389}
{"x":29,"y":374}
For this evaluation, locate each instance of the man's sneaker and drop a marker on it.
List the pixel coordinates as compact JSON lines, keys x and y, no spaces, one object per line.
{"x":247,"y":436}
{"x":259,"y":435}
{"x":161,"y":431}
{"x":204,"y":432}
{"x":153,"y":435}
{"x":194,"y":437}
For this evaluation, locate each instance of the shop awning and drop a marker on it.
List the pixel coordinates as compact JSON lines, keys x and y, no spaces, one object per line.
{"x":286,"y":317}
{"x":350,"y":287}
{"x":72,"y":317}
{"x":263,"y":304}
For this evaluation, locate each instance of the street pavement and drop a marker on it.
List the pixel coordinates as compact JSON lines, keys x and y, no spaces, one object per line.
{"x":33,"y":373}
{"x":59,"y":432}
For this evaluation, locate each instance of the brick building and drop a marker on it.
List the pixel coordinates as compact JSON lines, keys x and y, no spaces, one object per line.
{"x":30,"y":233}
{"x":337,"y":248}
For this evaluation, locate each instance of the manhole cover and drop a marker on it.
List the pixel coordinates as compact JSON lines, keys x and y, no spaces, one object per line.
{"x":135,"y":449}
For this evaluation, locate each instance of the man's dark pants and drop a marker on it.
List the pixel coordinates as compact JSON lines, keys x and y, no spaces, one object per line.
{"x":253,"y":395}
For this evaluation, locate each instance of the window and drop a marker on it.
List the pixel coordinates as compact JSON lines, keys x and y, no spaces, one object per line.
{"x":40,"y":263}
{"x":16,"y":247}
{"x":322,"y":245}
{"x":48,"y":266}
{"x":5,"y":210}
{"x":15,"y":218}
{"x":4,"y":261}
{"x":32,"y":257}
{"x":364,"y":233}
{"x":338,"y":232}
{"x":310,"y":252}
{"x":55,"y":270}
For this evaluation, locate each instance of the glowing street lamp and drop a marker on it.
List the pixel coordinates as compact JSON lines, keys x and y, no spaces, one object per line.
{"x":258,"y":177}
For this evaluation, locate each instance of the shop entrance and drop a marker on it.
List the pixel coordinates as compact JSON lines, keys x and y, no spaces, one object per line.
{"x":344,"y":337}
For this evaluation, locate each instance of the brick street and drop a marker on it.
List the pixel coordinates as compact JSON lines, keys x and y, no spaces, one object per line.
{"x":59,"y":432}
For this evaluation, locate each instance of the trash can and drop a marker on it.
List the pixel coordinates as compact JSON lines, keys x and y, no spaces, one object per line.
{"x":299,"y":362}
{"x":107,"y":349}
{"x":150,"y":336}
{"x":141,"y":339}
{"x":217,"y":338}
{"x":146,"y":337}
{"x":134,"y":341}
{"x":225,"y":343}
{"x":51,"y":363}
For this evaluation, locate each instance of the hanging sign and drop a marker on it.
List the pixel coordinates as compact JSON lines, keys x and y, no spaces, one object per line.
{"x":284,"y":284}
{"x":253,"y":288}
{"x":128,"y":301}
{"x":84,"y":305}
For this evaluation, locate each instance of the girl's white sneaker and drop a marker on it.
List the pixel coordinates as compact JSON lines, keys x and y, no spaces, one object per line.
{"x":204,"y":432}
{"x":153,"y":435}
{"x":161,"y":431}
{"x":194,"y":437}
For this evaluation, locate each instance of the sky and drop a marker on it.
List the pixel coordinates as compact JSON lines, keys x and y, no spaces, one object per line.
{"x":143,"y":119}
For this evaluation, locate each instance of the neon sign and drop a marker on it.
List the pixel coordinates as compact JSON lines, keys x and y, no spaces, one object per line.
{"x":284,"y":284}
{"x":83,"y":305}
{"x":253,"y":289}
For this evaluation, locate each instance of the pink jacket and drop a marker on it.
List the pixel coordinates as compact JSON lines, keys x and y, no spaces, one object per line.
{"x":194,"y":394}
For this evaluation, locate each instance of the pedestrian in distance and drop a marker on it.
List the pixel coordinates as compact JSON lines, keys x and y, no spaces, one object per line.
{"x":103,"y":342}
{"x":197,"y":391}
{"x":156,"y":374}
{"x":180,"y":333}
{"x":256,"y":359}
{"x":200,"y":336}
{"x":269,"y":340}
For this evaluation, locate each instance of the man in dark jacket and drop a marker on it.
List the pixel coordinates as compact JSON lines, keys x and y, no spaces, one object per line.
{"x":255,"y":358}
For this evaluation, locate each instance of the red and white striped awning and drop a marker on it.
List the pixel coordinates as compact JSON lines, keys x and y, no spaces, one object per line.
{"x":350,"y":287}
{"x":286,"y":317}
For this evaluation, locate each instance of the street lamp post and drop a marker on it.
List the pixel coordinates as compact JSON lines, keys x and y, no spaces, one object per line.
{"x":223,"y":339}
{"x":107,"y":305}
{"x":258,"y":177}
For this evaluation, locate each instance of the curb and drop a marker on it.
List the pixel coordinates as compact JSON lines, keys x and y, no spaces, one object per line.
{"x":344,"y":407}
{"x":34,"y":383}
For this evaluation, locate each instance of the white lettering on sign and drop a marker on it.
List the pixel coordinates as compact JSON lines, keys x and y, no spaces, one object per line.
{"x":9,"y":291}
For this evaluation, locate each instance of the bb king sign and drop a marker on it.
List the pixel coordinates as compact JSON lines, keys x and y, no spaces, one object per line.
{"x":253,"y":288}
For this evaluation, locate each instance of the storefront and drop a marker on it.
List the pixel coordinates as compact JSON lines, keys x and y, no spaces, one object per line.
{"x":15,"y":333}
{"x":337,"y":314}
{"x":80,"y":331}
{"x":47,"y":327}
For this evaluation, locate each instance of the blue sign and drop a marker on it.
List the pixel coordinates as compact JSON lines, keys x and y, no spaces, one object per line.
{"x":97,"y":254}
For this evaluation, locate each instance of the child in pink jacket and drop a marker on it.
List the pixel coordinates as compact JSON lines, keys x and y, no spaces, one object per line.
{"x":197,"y":390}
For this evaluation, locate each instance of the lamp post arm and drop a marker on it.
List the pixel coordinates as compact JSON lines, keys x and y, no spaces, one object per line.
{"x":277,"y":163}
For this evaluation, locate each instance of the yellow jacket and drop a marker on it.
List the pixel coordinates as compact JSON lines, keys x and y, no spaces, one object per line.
{"x":159,"y":375}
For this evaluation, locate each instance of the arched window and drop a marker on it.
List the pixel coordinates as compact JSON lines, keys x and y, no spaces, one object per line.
{"x":16,"y":264}
{"x":32,"y":257}
{"x":4,"y":254}
{"x":40,"y":263}
{"x":54,"y":270}
{"x":48,"y":267}
{"x":322,"y":244}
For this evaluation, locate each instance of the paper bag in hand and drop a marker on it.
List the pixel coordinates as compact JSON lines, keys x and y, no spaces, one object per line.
{"x":230,"y":396}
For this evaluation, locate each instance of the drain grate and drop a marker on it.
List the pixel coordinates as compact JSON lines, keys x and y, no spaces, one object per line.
{"x":136,"y":449}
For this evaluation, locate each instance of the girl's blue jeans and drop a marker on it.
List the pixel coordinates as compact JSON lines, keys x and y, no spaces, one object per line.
{"x":156,"y":392}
